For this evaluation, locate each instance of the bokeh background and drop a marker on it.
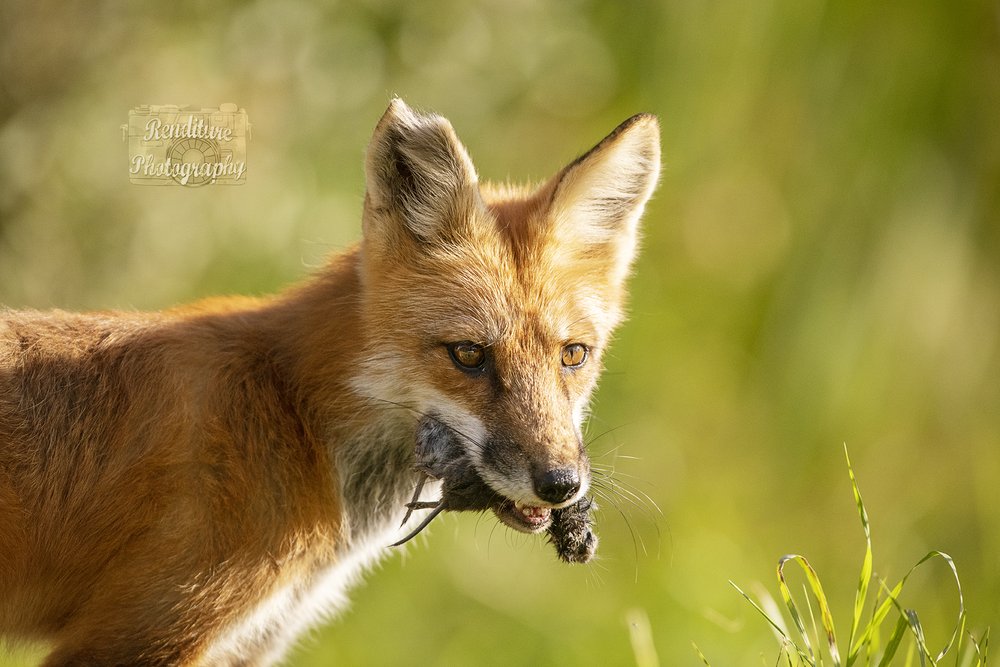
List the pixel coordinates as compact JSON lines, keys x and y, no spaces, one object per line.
{"x":821,"y":266}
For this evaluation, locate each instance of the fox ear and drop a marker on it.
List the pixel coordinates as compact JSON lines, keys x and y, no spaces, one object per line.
{"x":419,"y":172}
{"x":598,"y":199}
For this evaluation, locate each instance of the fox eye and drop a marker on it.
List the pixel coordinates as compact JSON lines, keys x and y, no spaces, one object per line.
{"x":467,"y":356}
{"x":574,"y":355}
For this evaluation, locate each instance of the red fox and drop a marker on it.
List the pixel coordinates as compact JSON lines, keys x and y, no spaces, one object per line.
{"x":199,"y":485}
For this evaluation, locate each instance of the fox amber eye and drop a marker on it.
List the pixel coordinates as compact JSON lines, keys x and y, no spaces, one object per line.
{"x":468,"y":356}
{"x":574,"y":355}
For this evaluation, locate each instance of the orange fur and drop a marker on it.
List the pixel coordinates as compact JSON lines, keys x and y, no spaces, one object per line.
{"x":198,"y":485}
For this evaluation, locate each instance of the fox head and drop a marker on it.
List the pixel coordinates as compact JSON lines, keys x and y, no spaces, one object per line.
{"x":489,"y":308}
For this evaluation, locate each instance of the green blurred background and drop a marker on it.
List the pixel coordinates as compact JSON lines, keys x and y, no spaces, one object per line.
{"x":821,"y":265}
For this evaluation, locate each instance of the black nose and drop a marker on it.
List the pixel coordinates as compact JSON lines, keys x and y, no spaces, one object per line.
{"x":557,"y":485}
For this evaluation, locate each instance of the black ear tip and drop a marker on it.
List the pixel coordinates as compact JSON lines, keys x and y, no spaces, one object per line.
{"x":639,"y":119}
{"x":641,"y":122}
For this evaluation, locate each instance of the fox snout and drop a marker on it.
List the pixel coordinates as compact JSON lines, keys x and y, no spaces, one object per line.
{"x":533,"y":474}
{"x":557,"y":485}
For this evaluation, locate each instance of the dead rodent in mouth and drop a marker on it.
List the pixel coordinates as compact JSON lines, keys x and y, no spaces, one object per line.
{"x":438,"y":456}
{"x":571,"y":532}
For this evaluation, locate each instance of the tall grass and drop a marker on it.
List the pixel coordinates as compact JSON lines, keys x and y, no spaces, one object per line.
{"x":815,"y":640}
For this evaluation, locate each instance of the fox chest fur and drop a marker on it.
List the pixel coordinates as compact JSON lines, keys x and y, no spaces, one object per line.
{"x":199,"y":485}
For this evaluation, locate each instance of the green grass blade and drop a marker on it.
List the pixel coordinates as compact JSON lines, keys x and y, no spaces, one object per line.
{"x":786,"y":652}
{"x":881,"y":610}
{"x":982,"y":648}
{"x":864,"y":638}
{"x":918,"y":633}
{"x":893,"y":645}
{"x":786,"y":595}
{"x":911,"y":616}
{"x":958,"y":645}
{"x":785,"y":640}
{"x":960,"y":622}
{"x":812,"y":618}
{"x":826,"y":617}
{"x":760,"y":610}
{"x":701,"y":655}
{"x":865,"y":577}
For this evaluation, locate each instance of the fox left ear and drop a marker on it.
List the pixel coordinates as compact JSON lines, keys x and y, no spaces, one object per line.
{"x":598,"y":199}
{"x":418,"y":171}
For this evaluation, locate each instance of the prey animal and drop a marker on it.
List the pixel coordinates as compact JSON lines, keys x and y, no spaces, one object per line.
{"x":438,"y":455}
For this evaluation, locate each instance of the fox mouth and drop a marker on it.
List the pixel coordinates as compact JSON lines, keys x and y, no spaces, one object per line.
{"x":440,"y":456}
{"x":523,"y":518}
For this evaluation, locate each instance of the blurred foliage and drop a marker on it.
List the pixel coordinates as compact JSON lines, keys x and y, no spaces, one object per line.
{"x":821,"y":265}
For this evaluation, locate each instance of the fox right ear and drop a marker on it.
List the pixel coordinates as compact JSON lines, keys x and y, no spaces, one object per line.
{"x":419,"y":172}
{"x":598,"y":199}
